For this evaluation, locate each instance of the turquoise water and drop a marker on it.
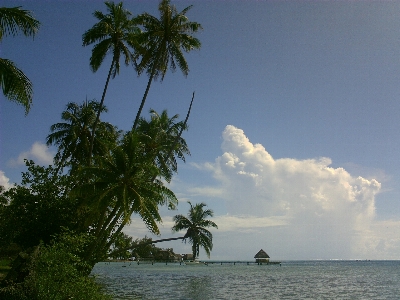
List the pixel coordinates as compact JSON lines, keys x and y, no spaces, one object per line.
{"x":291,"y":280}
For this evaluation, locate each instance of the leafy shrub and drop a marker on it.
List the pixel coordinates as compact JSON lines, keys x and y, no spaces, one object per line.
{"x":57,"y":272}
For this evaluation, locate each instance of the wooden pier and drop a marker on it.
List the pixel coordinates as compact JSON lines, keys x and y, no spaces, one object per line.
{"x":210,"y":262}
{"x":202,"y":262}
{"x":241,"y":262}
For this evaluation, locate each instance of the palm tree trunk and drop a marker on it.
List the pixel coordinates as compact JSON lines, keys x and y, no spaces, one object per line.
{"x":99,"y":236}
{"x":143,"y":101}
{"x":166,"y":240}
{"x":120,"y":227}
{"x":194,"y":250}
{"x":103,"y":240}
{"x":154,"y":242}
{"x":102,"y":225}
{"x":99,"y":111}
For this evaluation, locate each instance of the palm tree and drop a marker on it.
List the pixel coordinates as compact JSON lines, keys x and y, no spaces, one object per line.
{"x":130,"y":180}
{"x":162,"y":141}
{"x":115,"y":32}
{"x":162,"y":137}
{"x":73,"y":136}
{"x":196,"y":224}
{"x":162,"y":43}
{"x":14,"y":83}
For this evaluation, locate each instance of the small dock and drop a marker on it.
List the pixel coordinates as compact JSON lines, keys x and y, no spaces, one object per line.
{"x":212,"y":262}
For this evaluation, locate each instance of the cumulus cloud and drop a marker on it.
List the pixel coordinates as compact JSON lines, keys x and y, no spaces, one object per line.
{"x":300,"y":209}
{"x":291,"y":208}
{"x":39,"y":153}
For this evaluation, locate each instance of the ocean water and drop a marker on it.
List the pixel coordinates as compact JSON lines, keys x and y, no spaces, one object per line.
{"x":290,"y":280}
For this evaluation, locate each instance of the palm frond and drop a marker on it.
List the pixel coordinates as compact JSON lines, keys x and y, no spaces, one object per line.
{"x":15,"y":19}
{"x":99,"y":52}
{"x":15,"y":84}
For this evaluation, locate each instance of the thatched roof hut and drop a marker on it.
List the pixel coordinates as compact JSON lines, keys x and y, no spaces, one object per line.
{"x":261,"y":256}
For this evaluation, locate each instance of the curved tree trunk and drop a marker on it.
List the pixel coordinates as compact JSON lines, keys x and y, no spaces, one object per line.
{"x":154,"y":242}
{"x":143,"y":101}
{"x":101,"y":240}
{"x":99,"y":111}
{"x":165,"y":240}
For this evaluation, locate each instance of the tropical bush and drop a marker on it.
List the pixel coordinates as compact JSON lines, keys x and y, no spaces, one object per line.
{"x":57,"y":272}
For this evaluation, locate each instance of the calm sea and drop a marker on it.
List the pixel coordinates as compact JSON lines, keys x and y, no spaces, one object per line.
{"x":291,"y":280}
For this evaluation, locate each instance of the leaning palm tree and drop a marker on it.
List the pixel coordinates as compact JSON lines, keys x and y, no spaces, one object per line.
{"x":116,"y":33}
{"x":121,"y":185}
{"x":128,"y":179}
{"x":196,"y":224}
{"x":196,"y":232}
{"x":162,"y":44}
{"x":163,"y":142}
{"x":15,"y":85}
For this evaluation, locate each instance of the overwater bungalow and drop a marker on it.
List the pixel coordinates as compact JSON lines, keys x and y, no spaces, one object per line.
{"x":262,"y":257}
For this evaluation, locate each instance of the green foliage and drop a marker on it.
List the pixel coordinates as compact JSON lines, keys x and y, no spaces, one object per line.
{"x":4,"y":267}
{"x":15,"y":19}
{"x":13,"y":82}
{"x":38,"y":208}
{"x":114,"y":33}
{"x":161,"y":138}
{"x":72,"y":137}
{"x":110,"y":176}
{"x":57,"y":271}
{"x":120,"y":247}
{"x":164,"y":39}
{"x":143,"y":248}
{"x":9,"y":250}
{"x":129,"y":179}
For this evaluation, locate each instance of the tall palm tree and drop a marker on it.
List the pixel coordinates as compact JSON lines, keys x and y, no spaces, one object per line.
{"x":196,"y":224}
{"x":116,"y":33}
{"x":162,"y":43}
{"x":15,"y":85}
{"x":73,"y":136}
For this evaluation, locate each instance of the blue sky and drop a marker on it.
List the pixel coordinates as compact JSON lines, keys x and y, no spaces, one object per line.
{"x":294,"y":129}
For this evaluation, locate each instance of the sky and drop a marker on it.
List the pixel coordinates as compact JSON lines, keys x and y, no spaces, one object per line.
{"x":294,"y":130}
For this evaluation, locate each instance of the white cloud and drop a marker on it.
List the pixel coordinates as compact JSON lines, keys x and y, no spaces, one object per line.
{"x":39,"y":153}
{"x":4,"y":181}
{"x":293,"y":209}
{"x":298,"y":209}
{"x":247,"y":223}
